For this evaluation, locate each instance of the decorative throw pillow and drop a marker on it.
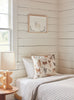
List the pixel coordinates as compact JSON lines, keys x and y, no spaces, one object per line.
{"x":44,"y":66}
{"x":29,"y":67}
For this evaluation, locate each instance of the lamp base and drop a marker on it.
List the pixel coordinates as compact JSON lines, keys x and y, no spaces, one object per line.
{"x":5,"y":79}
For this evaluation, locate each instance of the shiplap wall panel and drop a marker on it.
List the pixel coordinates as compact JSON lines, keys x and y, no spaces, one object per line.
{"x":66,"y":13}
{"x":36,"y":50}
{"x":66,"y":70}
{"x":66,"y":36}
{"x":34,"y":42}
{"x":65,"y":49}
{"x":68,"y":21}
{"x":37,"y":5}
{"x":46,"y":1}
{"x":22,"y":34}
{"x":67,"y":6}
{"x":22,"y":26}
{"x":66,"y":28}
{"x":65,"y":63}
{"x":72,"y":64}
{"x":66,"y":42}
{"x":65,"y":1}
{"x":65,"y":56}
{"x":25,"y":11}
{"x":24,"y":19}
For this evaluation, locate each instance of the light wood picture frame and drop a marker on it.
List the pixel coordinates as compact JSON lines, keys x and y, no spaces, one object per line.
{"x":37,"y":23}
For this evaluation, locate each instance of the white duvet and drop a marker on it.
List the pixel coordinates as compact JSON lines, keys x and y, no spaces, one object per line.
{"x":59,"y":87}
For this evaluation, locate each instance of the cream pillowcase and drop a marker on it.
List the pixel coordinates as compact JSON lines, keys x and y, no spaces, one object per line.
{"x":29,"y":67}
{"x":44,"y":66}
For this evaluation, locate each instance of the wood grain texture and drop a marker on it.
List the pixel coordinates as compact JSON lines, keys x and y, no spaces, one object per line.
{"x":37,"y":5}
{"x":66,"y":36}
{"x":36,"y":43}
{"x":25,"y":11}
{"x":6,"y":80}
{"x":3,"y":93}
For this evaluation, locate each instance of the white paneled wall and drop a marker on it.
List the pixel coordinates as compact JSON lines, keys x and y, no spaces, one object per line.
{"x":36,"y":43}
{"x":66,"y":36}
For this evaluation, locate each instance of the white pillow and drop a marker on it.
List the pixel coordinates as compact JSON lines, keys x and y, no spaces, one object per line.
{"x":29,"y":66}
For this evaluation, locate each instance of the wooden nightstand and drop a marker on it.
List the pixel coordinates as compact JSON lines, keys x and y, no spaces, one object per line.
{"x":3,"y":93}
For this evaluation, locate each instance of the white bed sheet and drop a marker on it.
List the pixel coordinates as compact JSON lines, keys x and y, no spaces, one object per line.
{"x":62,"y":90}
{"x":51,"y":88}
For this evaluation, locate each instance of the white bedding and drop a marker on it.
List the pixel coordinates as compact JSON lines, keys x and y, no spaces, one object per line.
{"x":59,"y":87}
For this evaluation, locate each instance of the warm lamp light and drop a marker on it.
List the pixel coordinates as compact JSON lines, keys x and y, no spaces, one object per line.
{"x":7,"y":65}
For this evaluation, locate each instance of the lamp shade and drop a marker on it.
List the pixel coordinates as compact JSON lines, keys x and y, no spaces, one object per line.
{"x":7,"y":61}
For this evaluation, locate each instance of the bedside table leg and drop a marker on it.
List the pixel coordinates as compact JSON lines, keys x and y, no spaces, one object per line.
{"x":2,"y":97}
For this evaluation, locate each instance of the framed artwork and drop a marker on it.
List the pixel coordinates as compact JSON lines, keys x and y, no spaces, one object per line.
{"x":37,"y":24}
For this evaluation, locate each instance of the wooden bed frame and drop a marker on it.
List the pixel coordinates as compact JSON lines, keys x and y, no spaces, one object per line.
{"x":17,"y":97}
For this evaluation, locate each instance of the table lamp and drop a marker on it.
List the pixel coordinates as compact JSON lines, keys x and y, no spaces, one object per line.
{"x":6,"y":67}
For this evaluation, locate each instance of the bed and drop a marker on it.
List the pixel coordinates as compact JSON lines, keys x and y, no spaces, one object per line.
{"x":58,"y":87}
